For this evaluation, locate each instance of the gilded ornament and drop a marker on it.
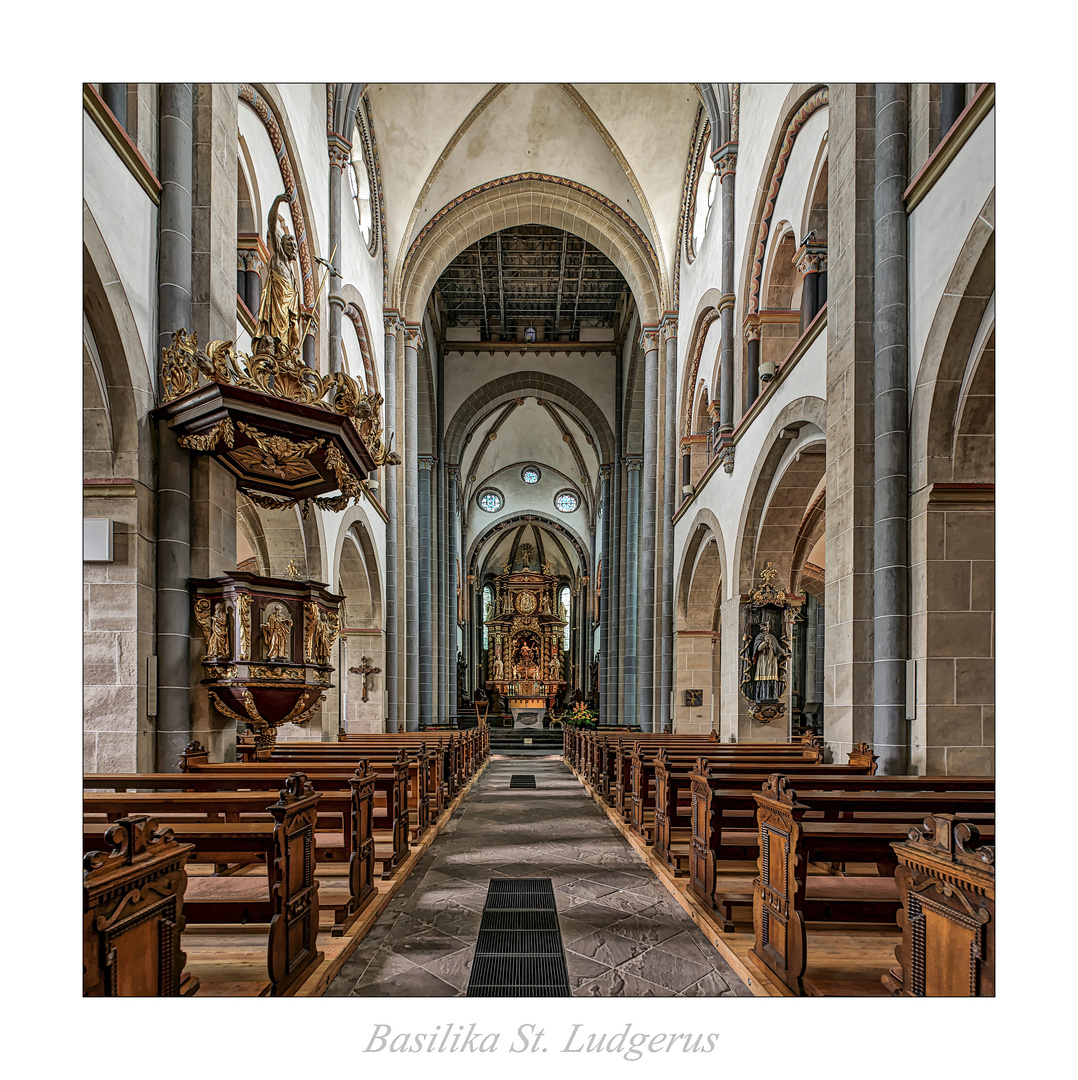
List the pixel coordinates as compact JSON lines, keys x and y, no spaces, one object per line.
{"x":278,"y":331}
{"x":214,"y":625}
{"x":275,"y":455}
{"x":220,"y":432}
{"x":268,"y":673}
{"x":245,"y":626}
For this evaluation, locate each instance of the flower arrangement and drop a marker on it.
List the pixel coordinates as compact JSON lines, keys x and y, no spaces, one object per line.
{"x":580,"y":715}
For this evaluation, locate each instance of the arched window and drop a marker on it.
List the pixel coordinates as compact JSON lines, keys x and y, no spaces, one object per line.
{"x":488,"y":612}
{"x":565,"y":598}
{"x":359,"y":181}
{"x":705,"y":198}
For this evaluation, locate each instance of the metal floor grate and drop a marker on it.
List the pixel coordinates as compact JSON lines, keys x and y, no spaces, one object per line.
{"x":519,"y":952}
{"x":522,"y":780}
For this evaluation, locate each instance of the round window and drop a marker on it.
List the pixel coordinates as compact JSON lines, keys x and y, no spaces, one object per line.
{"x":530,"y":474}
{"x":566,"y":501}
{"x":491,"y":501}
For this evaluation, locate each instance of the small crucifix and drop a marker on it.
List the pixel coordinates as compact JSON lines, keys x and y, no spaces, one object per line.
{"x":366,"y":671}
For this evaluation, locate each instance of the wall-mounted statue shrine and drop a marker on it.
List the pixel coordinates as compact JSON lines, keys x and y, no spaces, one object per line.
{"x":767,"y":619}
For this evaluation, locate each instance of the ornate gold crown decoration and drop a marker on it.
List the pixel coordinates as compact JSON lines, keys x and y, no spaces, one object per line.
{"x":184,"y":366}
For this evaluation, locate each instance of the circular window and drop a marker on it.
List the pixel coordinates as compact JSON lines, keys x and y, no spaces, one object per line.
{"x":490,"y":500}
{"x":530,"y":474}
{"x":566,"y":501}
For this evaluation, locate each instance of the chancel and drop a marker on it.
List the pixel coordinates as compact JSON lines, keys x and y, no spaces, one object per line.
{"x":614,"y":461}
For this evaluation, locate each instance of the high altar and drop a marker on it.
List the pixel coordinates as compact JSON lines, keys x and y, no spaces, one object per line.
{"x":526,"y":631}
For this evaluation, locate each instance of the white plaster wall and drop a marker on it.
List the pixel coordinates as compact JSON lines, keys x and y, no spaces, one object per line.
{"x":127,"y":219}
{"x":725,"y":494}
{"x":305,"y":106}
{"x":938,"y":227}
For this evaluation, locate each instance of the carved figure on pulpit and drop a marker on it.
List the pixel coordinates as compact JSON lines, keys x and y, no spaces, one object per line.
{"x":218,"y":641}
{"x":275,"y":632}
{"x":278,"y":330}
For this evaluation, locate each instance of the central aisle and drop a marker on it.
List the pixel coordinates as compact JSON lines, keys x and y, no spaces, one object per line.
{"x":624,"y":935}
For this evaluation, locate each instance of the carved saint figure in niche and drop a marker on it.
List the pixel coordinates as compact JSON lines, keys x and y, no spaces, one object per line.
{"x":554,"y":669}
{"x":278,"y":311}
{"x":544,"y":604}
{"x":275,"y":632}
{"x":219,"y":643}
{"x":526,"y":667}
{"x":498,"y":669}
{"x":766,"y":652}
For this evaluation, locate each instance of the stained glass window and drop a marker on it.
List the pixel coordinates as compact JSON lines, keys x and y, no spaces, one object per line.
{"x":566,"y":599}
{"x":491,"y":501}
{"x":566,"y":502}
{"x":530,"y":475}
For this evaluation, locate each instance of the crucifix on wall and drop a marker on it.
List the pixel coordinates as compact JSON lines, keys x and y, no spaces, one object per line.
{"x":366,"y":670}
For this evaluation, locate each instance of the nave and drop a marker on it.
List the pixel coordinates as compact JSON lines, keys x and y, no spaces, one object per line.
{"x":623,"y":934}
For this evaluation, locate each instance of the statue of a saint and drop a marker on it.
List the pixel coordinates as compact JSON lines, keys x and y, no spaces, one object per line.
{"x":498,"y":669}
{"x":278,"y":311}
{"x":218,"y":643}
{"x":275,"y":633}
{"x":544,"y":604}
{"x":766,"y":651}
{"x":554,"y":669}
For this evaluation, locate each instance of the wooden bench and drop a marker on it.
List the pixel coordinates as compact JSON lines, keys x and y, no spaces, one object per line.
{"x":389,"y":813}
{"x":132,"y":913}
{"x":947,"y":888}
{"x":287,"y":898}
{"x":344,"y":826}
{"x":785,"y":896}
{"x":724,"y":831}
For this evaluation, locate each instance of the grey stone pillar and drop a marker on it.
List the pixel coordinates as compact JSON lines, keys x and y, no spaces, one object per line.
{"x":725,"y":159}
{"x":441,"y":566}
{"x":616,"y":698}
{"x":752,"y":365}
{"x":173,"y":462}
{"x":339,"y":158}
{"x":426,"y":599}
{"x":630,"y":673}
{"x":606,"y":683}
{"x":451,"y":585}
{"x":890,"y":589}
{"x":412,"y":342}
{"x":392,"y":591}
{"x":114,"y":94}
{"x":669,"y":504}
{"x":649,"y":342}
{"x":952,"y":102}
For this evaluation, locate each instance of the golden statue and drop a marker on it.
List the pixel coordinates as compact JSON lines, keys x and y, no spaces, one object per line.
{"x":218,"y":644}
{"x":278,"y":311}
{"x":275,"y":633}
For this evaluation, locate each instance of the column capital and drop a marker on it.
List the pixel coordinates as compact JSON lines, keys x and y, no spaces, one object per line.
{"x":604,"y":471}
{"x":340,"y":151}
{"x":811,"y":257}
{"x":453,"y":471}
{"x":649,"y":338}
{"x":752,"y":332}
{"x":634,"y":463}
{"x":392,"y":321}
{"x":413,"y":336}
{"x":336,"y":301}
{"x":713,"y":410}
{"x":725,"y":159}
{"x":669,"y":326}
{"x":427,"y":462}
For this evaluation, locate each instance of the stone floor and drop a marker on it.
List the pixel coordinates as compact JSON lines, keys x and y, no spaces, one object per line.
{"x":624,"y":934}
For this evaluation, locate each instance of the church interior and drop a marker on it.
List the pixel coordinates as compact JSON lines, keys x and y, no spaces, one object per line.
{"x":468,"y":610}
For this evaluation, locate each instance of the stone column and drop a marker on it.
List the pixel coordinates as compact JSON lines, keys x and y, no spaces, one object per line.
{"x":812,"y":266}
{"x":669,"y":505}
{"x":173,"y":644}
{"x":393,"y":583}
{"x":616,"y":582}
{"x":339,"y":158}
{"x":114,"y":95}
{"x":412,"y":342}
{"x":441,"y":567}
{"x":725,"y":159}
{"x":452,"y":472}
{"x":890,"y":576}
{"x":630,"y":677}
{"x":427,"y":606}
{"x":606,"y":684}
{"x":848,"y":693}
{"x":752,"y":364}
{"x":649,"y":342}
{"x":952,"y":102}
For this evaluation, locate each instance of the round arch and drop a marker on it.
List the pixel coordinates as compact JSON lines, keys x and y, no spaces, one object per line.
{"x":530,"y":199}
{"x":528,"y":384}
{"x":546,"y":522}
{"x":705,"y":545}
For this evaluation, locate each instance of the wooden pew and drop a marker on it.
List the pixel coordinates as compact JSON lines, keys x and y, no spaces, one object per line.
{"x":724,"y":830}
{"x":287,"y":899}
{"x":785,"y":896}
{"x":390,"y":813}
{"x":947,"y":887}
{"x":132,"y":913}
{"x":344,"y":827}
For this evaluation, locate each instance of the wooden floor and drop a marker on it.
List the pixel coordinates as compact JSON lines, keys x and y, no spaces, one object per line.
{"x":854,"y":953}
{"x":230,"y":961}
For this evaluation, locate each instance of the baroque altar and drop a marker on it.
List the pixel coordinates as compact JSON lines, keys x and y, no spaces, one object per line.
{"x":526,"y":628}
